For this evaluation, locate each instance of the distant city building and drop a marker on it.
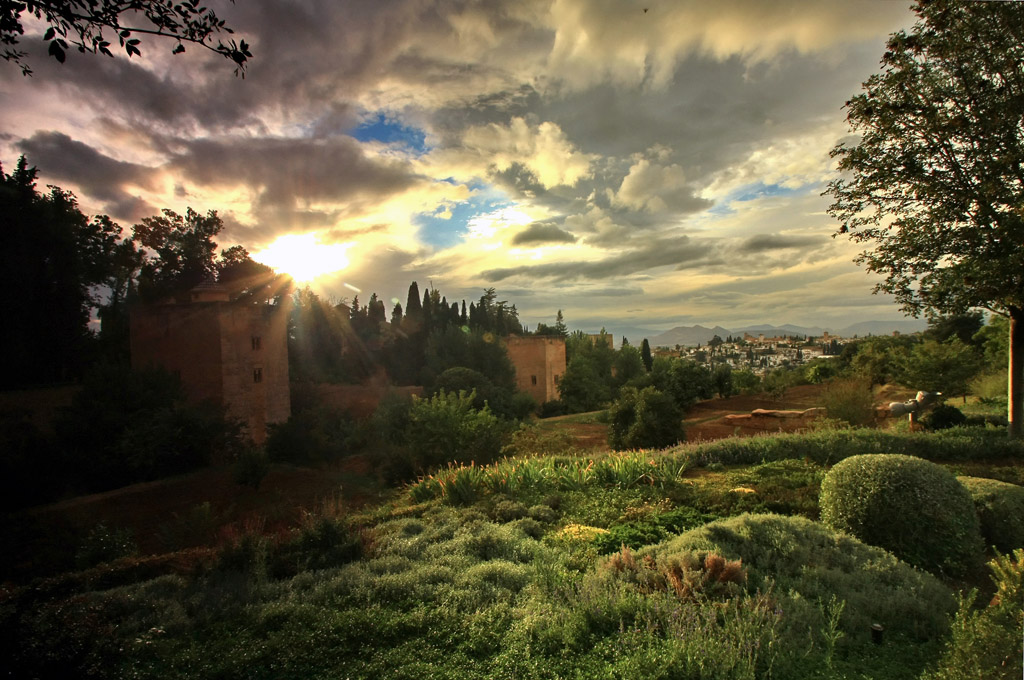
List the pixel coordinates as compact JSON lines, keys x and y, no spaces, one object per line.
{"x":226,"y":348}
{"x":539,"y":362}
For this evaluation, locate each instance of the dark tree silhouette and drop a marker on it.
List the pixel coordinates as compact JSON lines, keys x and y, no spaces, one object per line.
{"x":86,"y":25}
{"x":52,"y":261}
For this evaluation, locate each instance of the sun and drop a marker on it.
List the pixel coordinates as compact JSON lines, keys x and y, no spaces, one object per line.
{"x":303,"y":257}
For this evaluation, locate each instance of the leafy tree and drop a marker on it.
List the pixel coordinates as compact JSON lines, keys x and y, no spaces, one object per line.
{"x":582,"y":387}
{"x":946,"y":367}
{"x":962,"y":326}
{"x":689,"y":382}
{"x":936,"y":181}
{"x":475,"y":350}
{"x":644,"y":418}
{"x":877,"y":358}
{"x":81,"y":24}
{"x":628,"y":365}
{"x":722,"y":380}
{"x":183,"y":252}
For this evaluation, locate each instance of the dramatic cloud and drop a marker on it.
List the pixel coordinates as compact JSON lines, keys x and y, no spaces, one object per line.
{"x":627,"y":162}
{"x":542,"y":233}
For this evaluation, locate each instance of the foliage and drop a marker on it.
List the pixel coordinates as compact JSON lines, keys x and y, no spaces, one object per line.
{"x":251,"y":467}
{"x":1000,"y":508}
{"x":688,"y":382}
{"x":987,"y":643}
{"x":447,"y":428}
{"x":125,"y":426}
{"x":313,"y":436}
{"x":907,"y":505}
{"x":946,"y":367}
{"x":721,"y":378}
{"x":878,"y":359}
{"x":851,"y":401}
{"x":944,"y":416}
{"x":81,"y":24}
{"x":803,"y":563}
{"x":582,"y":387}
{"x":644,"y":418}
{"x":104,"y":544}
{"x":53,"y":261}
{"x":476,"y":350}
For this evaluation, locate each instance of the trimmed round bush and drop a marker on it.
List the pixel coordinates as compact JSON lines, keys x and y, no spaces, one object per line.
{"x":912,"y":507}
{"x":1000,"y":507}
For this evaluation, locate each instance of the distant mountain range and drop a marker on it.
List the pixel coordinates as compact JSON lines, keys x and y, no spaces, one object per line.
{"x":694,"y":335}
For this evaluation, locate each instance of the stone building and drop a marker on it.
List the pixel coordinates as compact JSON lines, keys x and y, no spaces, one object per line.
{"x":227,"y":348}
{"x":539,"y":362}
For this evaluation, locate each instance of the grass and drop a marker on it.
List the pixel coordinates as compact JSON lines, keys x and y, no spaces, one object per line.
{"x":518,"y":569}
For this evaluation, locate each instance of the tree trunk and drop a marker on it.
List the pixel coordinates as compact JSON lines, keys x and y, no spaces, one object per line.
{"x":1015,"y":408}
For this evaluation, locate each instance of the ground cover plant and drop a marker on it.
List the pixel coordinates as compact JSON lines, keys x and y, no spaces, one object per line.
{"x":696,"y":561}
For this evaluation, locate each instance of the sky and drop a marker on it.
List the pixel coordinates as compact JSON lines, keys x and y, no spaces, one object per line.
{"x":641,"y":164}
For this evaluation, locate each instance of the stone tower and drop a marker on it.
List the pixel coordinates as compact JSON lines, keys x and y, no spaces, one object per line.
{"x":226,"y":348}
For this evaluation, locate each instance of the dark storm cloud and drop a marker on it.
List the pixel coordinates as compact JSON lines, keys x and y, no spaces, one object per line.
{"x":681,"y":252}
{"x":287,"y":172}
{"x":768,"y":242}
{"x":542,"y":232}
{"x":103,"y":178}
{"x":67,"y":159}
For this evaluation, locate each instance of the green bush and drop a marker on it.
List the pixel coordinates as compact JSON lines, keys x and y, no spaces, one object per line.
{"x":850,"y":401}
{"x":943,"y":417}
{"x":646,"y":418}
{"x":909,"y":506}
{"x":987,"y":643}
{"x":802,"y":565}
{"x":312,"y":436}
{"x":1000,"y":507}
{"x":446,"y":428}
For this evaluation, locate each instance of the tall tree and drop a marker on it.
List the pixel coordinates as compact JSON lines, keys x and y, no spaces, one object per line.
{"x":936,"y":181}
{"x":645,"y":354}
{"x":80,"y":24}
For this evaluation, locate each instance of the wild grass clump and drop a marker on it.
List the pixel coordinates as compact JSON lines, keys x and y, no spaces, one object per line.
{"x":907,"y":505}
{"x":1000,"y":508}
{"x":462,"y":484}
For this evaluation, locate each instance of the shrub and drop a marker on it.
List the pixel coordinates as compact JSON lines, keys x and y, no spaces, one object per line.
{"x":943,"y":417}
{"x":850,"y":401}
{"x":446,"y":428}
{"x":987,"y":643}
{"x":1000,"y":507}
{"x":104,"y":544}
{"x":550,"y":409}
{"x":314,"y":435}
{"x":646,"y":418}
{"x":251,"y":467}
{"x":804,"y":562}
{"x":907,"y":505}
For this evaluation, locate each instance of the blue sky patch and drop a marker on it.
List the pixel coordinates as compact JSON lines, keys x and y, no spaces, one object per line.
{"x":443,"y":233}
{"x":388,"y":130}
